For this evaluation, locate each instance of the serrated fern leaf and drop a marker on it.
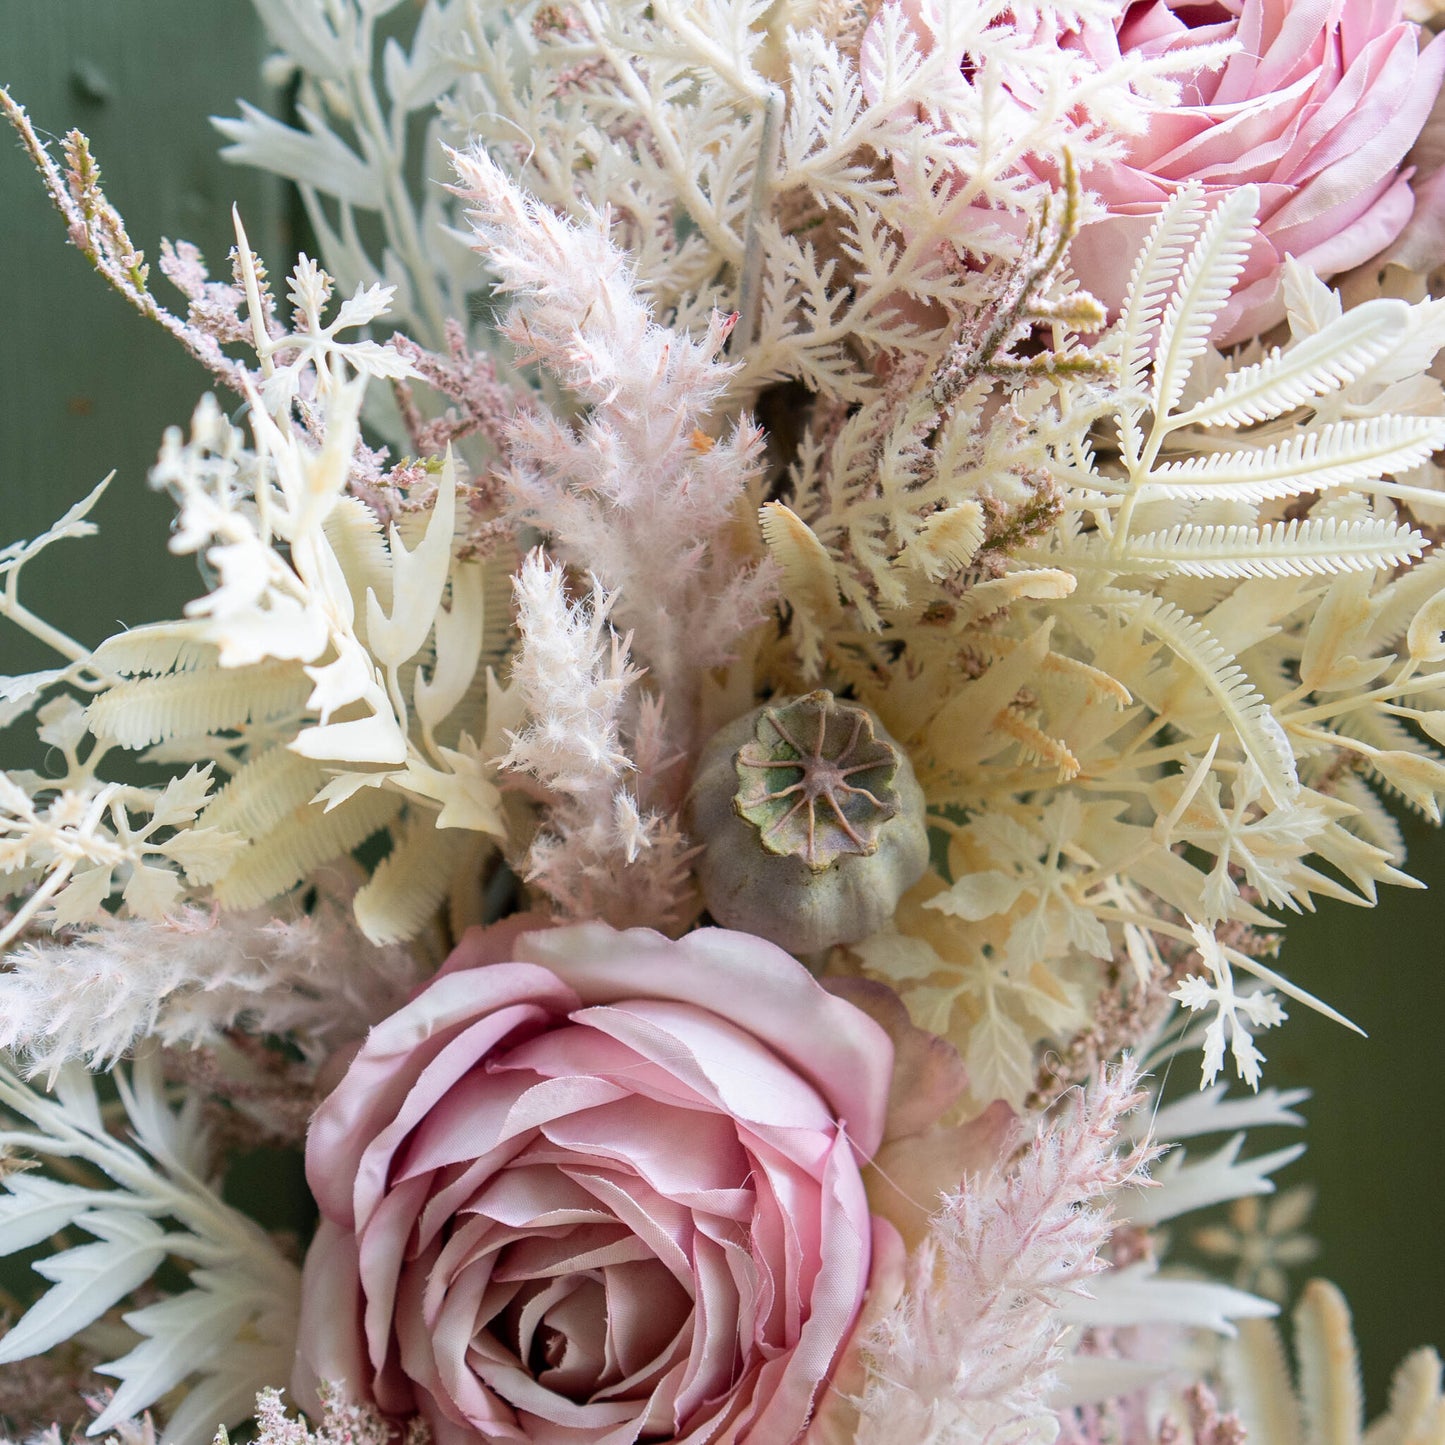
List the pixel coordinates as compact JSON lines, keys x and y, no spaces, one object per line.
{"x":1399,"y":604}
{"x":1285,"y":379}
{"x":354,"y":533}
{"x":948,"y":540}
{"x":409,"y":883}
{"x":87,"y":1280}
{"x":1244,"y":708}
{"x":1213,"y":266}
{"x":1151,"y":280}
{"x":306,"y":839}
{"x":263,"y":793}
{"x":1371,"y":820}
{"x":1334,"y":455}
{"x":1417,"y":1405}
{"x":244,"y":1292}
{"x":155,"y":648}
{"x":149,"y":710}
{"x":181,"y":1335}
{"x":32,"y":1208}
{"x":809,"y":575}
{"x":1282,"y":549}
{"x":1260,"y":1386}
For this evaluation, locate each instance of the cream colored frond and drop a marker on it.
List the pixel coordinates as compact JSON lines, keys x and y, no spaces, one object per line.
{"x":1241,"y":703}
{"x":1325,"y":1404}
{"x":1282,"y":549}
{"x":1417,"y":1408}
{"x":1098,"y":682}
{"x":1336,"y":454}
{"x":1340,"y":353}
{"x":1399,"y":604}
{"x":1425,"y":639}
{"x":1037,"y":746}
{"x":1260,"y":1388}
{"x":410,"y":883}
{"x":1371,"y":820}
{"x":947,"y":541}
{"x":1329,"y":1369}
{"x":263,"y":793}
{"x":184,"y":704}
{"x":1155,"y":271}
{"x":155,"y":648}
{"x":810,"y":578}
{"x":354,"y":533}
{"x":308,"y":838}
{"x":1043,"y":584}
{"x":1206,"y":279}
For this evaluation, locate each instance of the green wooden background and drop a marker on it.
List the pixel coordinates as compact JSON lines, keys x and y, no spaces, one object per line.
{"x":88,"y":386}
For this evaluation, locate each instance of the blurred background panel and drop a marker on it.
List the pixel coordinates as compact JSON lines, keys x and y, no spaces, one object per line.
{"x":89,"y":387}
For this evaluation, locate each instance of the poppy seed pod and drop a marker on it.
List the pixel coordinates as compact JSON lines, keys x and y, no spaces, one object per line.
{"x":811,"y":821}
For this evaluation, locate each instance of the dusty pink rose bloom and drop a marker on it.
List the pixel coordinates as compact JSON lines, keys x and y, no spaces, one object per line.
{"x":605,"y":1189}
{"x":1317,"y":107}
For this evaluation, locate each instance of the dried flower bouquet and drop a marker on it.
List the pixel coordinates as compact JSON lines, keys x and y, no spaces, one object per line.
{"x":700,"y":788}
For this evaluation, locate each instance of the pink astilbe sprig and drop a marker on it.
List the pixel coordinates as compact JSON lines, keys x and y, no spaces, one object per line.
{"x":341,"y":1423}
{"x":639,"y":492}
{"x":480,"y":400}
{"x":602,"y":851}
{"x":968,"y":1352}
{"x":36,"y":1393}
{"x":187,"y":978}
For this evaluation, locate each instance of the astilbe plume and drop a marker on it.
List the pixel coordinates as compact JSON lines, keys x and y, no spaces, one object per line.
{"x":341,"y":1423}
{"x":967,"y":1354}
{"x":640,"y":493}
{"x":600,"y":851}
{"x":186,"y":978}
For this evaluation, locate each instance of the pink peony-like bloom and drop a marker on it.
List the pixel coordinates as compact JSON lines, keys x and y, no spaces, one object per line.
{"x":596,"y":1186}
{"x":1317,"y":106}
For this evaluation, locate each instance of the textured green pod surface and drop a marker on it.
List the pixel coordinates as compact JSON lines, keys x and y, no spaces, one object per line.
{"x":811,"y":821}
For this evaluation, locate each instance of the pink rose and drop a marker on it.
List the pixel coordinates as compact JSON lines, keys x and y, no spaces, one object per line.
{"x":1317,"y":107}
{"x":606,"y":1189}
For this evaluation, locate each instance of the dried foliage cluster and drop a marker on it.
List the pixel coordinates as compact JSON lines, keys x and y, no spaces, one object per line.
{"x":785,"y":384}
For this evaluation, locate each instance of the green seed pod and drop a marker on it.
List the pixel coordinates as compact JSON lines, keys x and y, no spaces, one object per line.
{"x":811,"y":821}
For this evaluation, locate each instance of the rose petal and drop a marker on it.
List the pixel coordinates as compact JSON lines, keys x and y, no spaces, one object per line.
{"x":733,"y":976}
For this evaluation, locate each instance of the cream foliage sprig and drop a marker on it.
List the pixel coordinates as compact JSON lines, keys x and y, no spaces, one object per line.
{"x":364,"y":97}
{"x":1324,"y":1402}
{"x":335,"y":626}
{"x":331,"y":681}
{"x":735,"y":145}
{"x":1177,"y":598}
{"x":145,"y":1204}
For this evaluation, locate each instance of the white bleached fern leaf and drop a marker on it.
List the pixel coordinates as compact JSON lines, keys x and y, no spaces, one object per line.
{"x":1244,"y":708}
{"x":1290,"y":377}
{"x":1307,"y":459}
{"x":144,"y":1204}
{"x":1313,"y":547}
